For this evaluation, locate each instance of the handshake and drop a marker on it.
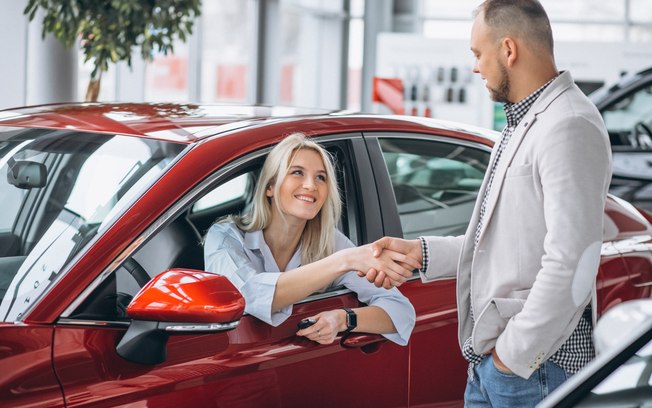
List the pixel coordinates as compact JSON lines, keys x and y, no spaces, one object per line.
{"x":392,"y":261}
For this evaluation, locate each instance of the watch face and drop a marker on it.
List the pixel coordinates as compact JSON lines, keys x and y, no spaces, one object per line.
{"x":351,"y":319}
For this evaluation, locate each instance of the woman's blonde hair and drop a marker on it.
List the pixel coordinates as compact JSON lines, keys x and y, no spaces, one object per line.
{"x":318,"y":238}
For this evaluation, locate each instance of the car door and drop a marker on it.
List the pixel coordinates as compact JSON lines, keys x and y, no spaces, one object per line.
{"x":427,"y":186}
{"x":254,"y":364}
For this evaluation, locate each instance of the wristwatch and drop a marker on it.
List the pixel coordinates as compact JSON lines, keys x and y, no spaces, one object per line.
{"x":351,"y":320}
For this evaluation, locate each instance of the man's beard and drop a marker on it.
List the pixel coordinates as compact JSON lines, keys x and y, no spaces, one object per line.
{"x":501,"y":94}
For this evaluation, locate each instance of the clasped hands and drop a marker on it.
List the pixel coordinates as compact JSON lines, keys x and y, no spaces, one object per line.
{"x":397,"y":259}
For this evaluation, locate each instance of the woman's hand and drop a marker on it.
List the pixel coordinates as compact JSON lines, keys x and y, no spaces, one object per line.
{"x":396,"y":266}
{"x":326,"y":327}
{"x":411,"y":251}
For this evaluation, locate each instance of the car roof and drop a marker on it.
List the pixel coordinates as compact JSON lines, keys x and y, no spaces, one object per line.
{"x":603,"y":96}
{"x":188,"y":123}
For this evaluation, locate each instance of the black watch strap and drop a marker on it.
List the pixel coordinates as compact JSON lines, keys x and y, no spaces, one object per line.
{"x":351,"y":320}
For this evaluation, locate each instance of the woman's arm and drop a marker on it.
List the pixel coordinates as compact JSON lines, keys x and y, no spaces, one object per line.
{"x":389,"y":312}
{"x":298,"y":283}
{"x":371,"y":319}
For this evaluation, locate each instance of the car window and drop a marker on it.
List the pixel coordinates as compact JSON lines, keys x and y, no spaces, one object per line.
{"x":629,"y":119}
{"x":62,"y":187}
{"x":179,"y":243}
{"x":628,"y":385}
{"x":234,"y":189}
{"x":435,"y":184}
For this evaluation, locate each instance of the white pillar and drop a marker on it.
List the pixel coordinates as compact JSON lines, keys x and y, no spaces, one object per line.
{"x":51,"y":68}
{"x":13,"y":31}
{"x":377,"y":19}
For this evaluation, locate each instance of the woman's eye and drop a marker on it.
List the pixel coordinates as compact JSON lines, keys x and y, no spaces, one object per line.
{"x":321,"y":178}
{"x":297,"y":173}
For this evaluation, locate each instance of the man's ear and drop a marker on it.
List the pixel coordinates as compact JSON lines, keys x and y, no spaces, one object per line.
{"x":510,"y":52}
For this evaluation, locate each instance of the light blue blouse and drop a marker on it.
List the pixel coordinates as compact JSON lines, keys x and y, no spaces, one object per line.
{"x":246,"y":260}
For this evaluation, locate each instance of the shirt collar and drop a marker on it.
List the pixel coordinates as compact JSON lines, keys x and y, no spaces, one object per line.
{"x":514,"y":112}
{"x":255,"y":240}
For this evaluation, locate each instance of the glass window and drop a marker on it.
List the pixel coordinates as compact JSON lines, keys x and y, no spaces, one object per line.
{"x":166,"y":77}
{"x":627,"y":385}
{"x":584,"y":9}
{"x":461,"y":9}
{"x":311,"y":53}
{"x":629,"y":120}
{"x":447,"y":29}
{"x":227,"y":31}
{"x":640,"y":11}
{"x":588,"y":32}
{"x":640,"y":34}
{"x":229,"y":191}
{"x":435,"y":184}
{"x":64,"y":187}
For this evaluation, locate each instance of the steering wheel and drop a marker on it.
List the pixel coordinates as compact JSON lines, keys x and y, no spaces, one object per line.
{"x":642,"y":136}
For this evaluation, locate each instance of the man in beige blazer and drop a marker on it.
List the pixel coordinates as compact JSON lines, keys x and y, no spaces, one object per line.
{"x":527,"y":264}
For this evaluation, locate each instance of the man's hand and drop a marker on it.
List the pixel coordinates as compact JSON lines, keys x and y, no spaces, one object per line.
{"x":498,"y":363}
{"x":410,"y":248}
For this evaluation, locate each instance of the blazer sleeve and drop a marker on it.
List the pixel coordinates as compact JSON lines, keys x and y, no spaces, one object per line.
{"x":573,"y":164}
{"x":443,"y":256}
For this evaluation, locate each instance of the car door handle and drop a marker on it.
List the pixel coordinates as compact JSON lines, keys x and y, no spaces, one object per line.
{"x":368,"y":343}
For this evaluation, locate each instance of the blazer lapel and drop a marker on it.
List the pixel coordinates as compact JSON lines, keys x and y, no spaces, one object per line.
{"x":563,"y":82}
{"x":501,"y":168}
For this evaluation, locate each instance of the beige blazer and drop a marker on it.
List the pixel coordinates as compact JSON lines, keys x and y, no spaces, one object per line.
{"x":533,"y":271}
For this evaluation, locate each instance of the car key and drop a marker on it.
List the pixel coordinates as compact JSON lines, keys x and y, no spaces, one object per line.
{"x":305,"y":323}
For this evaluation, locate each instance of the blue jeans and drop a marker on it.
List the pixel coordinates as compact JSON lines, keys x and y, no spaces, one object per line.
{"x":487,"y":386}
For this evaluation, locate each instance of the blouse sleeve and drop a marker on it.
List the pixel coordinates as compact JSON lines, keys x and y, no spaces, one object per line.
{"x":392,"y":301}
{"x":224,"y":253}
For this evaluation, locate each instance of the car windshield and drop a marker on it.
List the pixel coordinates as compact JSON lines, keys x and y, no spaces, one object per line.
{"x":59,"y":190}
{"x":626,"y":113}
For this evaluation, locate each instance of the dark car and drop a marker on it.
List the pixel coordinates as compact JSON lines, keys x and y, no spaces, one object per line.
{"x":103,"y":298}
{"x":627,"y":111}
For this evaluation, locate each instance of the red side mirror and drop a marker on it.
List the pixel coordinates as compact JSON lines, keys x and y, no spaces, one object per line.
{"x":189,"y":296}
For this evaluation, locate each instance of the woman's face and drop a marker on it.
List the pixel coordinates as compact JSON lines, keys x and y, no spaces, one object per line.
{"x":305,"y":187}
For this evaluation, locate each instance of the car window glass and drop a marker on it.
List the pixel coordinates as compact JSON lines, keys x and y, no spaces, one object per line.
{"x":61,"y":187}
{"x":629,"y":382}
{"x":231,"y":190}
{"x":627,"y":119}
{"x":435,"y":184}
{"x":179,"y":243}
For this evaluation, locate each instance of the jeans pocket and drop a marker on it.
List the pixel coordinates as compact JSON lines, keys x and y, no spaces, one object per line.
{"x":498,"y":370}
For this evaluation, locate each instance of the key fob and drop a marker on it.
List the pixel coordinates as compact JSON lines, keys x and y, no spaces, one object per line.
{"x":305,"y":323}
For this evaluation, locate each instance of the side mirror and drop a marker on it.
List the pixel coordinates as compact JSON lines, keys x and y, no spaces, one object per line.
{"x":178,"y":301}
{"x":26,"y":174}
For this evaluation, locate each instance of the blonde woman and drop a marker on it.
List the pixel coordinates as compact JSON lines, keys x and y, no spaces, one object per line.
{"x":288,"y":247}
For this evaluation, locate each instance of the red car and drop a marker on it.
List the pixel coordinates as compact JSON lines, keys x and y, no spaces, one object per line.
{"x":99,"y":201}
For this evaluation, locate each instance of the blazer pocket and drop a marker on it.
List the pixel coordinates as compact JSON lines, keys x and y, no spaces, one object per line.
{"x":519,"y":171}
{"x":491,"y":322}
{"x":508,"y":307}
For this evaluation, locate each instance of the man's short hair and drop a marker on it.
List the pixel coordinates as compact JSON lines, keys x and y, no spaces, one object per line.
{"x":524,"y":19}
